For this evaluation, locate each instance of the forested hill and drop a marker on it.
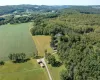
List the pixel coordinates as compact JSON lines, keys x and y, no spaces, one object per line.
{"x":30,"y":8}
{"x":87,"y":9}
{"x":44,"y":8}
{"x":25,"y":13}
{"x":76,"y":36}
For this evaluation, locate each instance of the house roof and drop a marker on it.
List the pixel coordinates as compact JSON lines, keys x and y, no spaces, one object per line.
{"x":39,"y":60}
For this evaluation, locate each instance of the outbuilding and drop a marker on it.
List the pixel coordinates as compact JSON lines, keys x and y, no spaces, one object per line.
{"x":42,"y":65}
{"x":39,"y":61}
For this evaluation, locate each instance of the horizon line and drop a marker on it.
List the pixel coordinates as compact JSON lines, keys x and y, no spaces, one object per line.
{"x":51,"y":5}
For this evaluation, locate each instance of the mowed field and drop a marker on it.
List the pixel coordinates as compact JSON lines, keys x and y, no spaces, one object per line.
{"x":16,"y":39}
{"x":23,"y":71}
{"x":42,"y":44}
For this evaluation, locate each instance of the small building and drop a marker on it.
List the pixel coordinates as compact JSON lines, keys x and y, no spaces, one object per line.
{"x":42,"y":65}
{"x":39,"y":61}
{"x":58,"y":35}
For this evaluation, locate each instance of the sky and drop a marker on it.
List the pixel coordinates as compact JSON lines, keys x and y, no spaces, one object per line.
{"x":50,"y":2}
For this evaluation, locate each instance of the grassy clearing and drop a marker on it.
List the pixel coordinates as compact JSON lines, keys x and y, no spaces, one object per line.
{"x":15,"y":39}
{"x":23,"y":71}
{"x":42,"y":43}
{"x":55,"y":71}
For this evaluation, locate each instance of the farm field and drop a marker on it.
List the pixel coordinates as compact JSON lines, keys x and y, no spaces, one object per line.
{"x":55,"y":71}
{"x":15,"y":39}
{"x":42,"y":43}
{"x":30,"y":70}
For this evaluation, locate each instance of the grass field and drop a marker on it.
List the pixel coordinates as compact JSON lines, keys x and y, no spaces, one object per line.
{"x":23,"y":71}
{"x":42,"y":43}
{"x":55,"y":71}
{"x":15,"y":39}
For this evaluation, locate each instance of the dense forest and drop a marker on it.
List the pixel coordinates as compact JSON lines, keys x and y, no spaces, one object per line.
{"x":75,"y":35}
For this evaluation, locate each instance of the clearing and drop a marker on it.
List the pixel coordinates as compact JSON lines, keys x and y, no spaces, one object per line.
{"x":16,"y":39}
{"x":42,"y":43}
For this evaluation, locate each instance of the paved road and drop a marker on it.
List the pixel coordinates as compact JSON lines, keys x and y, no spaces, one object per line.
{"x":43,"y":60}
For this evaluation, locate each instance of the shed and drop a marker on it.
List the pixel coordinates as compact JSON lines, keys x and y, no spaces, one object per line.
{"x":58,"y":35}
{"x":42,"y":65}
{"x":39,"y":61}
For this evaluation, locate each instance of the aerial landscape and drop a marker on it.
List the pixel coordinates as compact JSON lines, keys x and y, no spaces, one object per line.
{"x":49,"y":40}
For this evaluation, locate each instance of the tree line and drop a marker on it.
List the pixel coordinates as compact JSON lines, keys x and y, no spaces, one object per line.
{"x":19,"y":57}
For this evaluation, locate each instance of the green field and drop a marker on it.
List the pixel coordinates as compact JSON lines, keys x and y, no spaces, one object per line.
{"x":15,"y":39}
{"x":30,"y":70}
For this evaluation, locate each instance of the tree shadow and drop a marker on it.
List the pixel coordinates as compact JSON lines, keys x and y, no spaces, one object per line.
{"x":39,"y":57}
{"x":57,"y":64}
{"x":21,"y":61}
{"x":27,"y":59}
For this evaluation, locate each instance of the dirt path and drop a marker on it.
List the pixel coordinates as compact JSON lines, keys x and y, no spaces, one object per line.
{"x":43,"y":60}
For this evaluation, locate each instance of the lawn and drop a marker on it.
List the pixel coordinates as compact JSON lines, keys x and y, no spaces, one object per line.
{"x":23,"y":71}
{"x":16,"y":39}
{"x":55,"y":71}
{"x":42,"y":43}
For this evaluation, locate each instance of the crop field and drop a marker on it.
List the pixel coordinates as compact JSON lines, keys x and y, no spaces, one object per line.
{"x":30,"y":70}
{"x":42,"y":43}
{"x":16,"y":39}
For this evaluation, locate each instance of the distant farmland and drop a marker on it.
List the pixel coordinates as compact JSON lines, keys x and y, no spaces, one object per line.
{"x":15,"y":39}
